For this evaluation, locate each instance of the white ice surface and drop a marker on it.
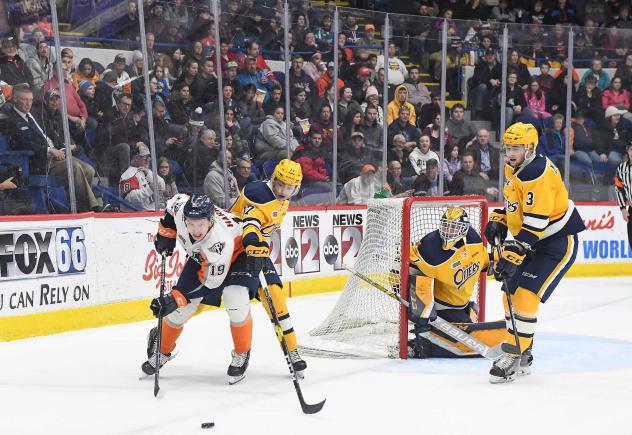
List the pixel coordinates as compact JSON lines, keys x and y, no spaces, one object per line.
{"x":86,"y":382}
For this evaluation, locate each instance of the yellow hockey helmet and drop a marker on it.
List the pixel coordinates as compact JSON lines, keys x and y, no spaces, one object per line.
{"x":453,"y":226}
{"x":521,"y":134}
{"x":288,"y":172}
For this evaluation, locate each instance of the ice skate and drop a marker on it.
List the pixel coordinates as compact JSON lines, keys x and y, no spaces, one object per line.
{"x":238,"y":366}
{"x":149,"y":366}
{"x":299,"y":364}
{"x":505,"y":369}
{"x":526,"y":359}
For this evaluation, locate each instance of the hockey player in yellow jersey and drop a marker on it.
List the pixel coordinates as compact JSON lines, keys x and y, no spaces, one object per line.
{"x":445,"y":267}
{"x":544,"y":224}
{"x":261,"y":206}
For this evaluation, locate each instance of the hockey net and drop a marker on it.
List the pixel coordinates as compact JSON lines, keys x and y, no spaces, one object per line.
{"x":366,"y":323}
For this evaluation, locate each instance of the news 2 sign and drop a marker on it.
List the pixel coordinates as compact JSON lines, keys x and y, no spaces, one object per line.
{"x":35,"y":253}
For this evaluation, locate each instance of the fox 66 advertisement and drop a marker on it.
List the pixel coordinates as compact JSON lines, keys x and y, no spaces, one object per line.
{"x":45,"y":265}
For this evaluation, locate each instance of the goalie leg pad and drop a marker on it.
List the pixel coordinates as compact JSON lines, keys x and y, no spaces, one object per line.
{"x":525,"y":305}
{"x":440,"y":345}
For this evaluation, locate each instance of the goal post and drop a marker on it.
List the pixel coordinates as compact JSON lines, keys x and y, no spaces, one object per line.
{"x":366,"y":323}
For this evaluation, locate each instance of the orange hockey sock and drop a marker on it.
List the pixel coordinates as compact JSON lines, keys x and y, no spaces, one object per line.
{"x":242,"y":335}
{"x":169,"y":336}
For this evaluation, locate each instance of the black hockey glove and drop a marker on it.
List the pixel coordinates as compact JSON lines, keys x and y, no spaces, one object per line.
{"x":257,"y":256}
{"x":496,"y":228}
{"x":167,"y":304}
{"x":511,"y":257}
{"x":414,"y":315}
{"x":164,"y":245}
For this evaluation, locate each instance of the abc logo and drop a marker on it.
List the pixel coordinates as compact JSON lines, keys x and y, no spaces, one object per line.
{"x":291,"y":252}
{"x":331,"y":249}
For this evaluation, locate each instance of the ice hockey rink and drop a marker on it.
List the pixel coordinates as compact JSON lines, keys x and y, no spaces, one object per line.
{"x":87,"y":382}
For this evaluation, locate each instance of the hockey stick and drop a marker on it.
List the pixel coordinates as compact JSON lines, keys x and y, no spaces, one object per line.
{"x":509,"y":304}
{"x":440,"y":324}
{"x":306,"y":407}
{"x":159,"y":338}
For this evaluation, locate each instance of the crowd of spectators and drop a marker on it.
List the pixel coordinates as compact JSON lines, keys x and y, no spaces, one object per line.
{"x":109,"y":124}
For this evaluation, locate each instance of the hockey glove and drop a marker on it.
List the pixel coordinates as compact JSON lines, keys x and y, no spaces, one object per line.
{"x":164,"y":245}
{"x":496,"y":228}
{"x":257,"y":255}
{"x":167,"y":304}
{"x":511,"y":257}
{"x":421,"y":322}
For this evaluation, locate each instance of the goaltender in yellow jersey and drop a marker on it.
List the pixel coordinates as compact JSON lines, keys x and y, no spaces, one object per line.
{"x":445,"y":267}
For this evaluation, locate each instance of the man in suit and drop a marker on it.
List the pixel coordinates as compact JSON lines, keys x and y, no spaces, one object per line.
{"x":24,"y":132}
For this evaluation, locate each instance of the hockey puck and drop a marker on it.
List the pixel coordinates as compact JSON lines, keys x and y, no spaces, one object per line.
{"x":208,"y":425}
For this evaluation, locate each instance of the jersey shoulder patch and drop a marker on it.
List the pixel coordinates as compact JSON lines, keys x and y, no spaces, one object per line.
{"x":258,"y":192}
{"x":534,"y":170}
{"x":431,"y":249}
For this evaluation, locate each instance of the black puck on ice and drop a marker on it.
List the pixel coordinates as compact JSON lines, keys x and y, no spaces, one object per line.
{"x":208,"y":425}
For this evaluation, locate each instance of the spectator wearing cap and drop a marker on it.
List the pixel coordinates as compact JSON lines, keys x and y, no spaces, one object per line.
{"x":368,"y":44}
{"x":136,"y":184}
{"x":360,"y":83}
{"x":104,"y":90}
{"x":360,"y":189}
{"x":612,"y":138}
{"x":315,"y":68}
{"x":230,"y":77}
{"x":418,"y":93}
{"x":300,"y":79}
{"x":397,"y":72}
{"x":85,"y":72}
{"x":402,"y":126}
{"x":77,"y":111}
{"x":372,"y":98}
{"x":400,"y":99}
{"x":314,"y":161}
{"x":485,"y":83}
{"x":13,"y":70}
{"x":261,"y":79}
{"x":272,"y":142}
{"x":25,"y":132}
{"x":122,"y":77}
{"x":40,"y":66}
{"x":354,"y":156}
{"x":327,"y":79}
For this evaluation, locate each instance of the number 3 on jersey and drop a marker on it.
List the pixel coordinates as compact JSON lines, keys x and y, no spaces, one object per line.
{"x":530,"y":197}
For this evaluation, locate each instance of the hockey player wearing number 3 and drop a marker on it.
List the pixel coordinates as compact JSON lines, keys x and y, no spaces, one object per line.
{"x":544,"y":224}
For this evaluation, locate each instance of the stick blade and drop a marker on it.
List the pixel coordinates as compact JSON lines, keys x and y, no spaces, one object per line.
{"x":312,"y":409}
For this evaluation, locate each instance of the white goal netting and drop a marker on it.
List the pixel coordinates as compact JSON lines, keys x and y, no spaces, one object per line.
{"x":365,"y":323}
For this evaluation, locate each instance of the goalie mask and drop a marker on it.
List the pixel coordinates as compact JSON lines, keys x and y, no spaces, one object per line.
{"x":453,"y":226}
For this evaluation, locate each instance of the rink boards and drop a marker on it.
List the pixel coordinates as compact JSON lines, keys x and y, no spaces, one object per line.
{"x":69,"y":272}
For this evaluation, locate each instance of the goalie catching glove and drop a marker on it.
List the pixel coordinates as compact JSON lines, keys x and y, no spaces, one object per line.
{"x":496,"y":229}
{"x":257,"y":254}
{"x":512,"y":255}
{"x":167,"y":304}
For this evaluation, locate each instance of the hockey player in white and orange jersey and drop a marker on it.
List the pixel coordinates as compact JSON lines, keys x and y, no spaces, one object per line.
{"x":544,"y":224}
{"x":211,"y":238}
